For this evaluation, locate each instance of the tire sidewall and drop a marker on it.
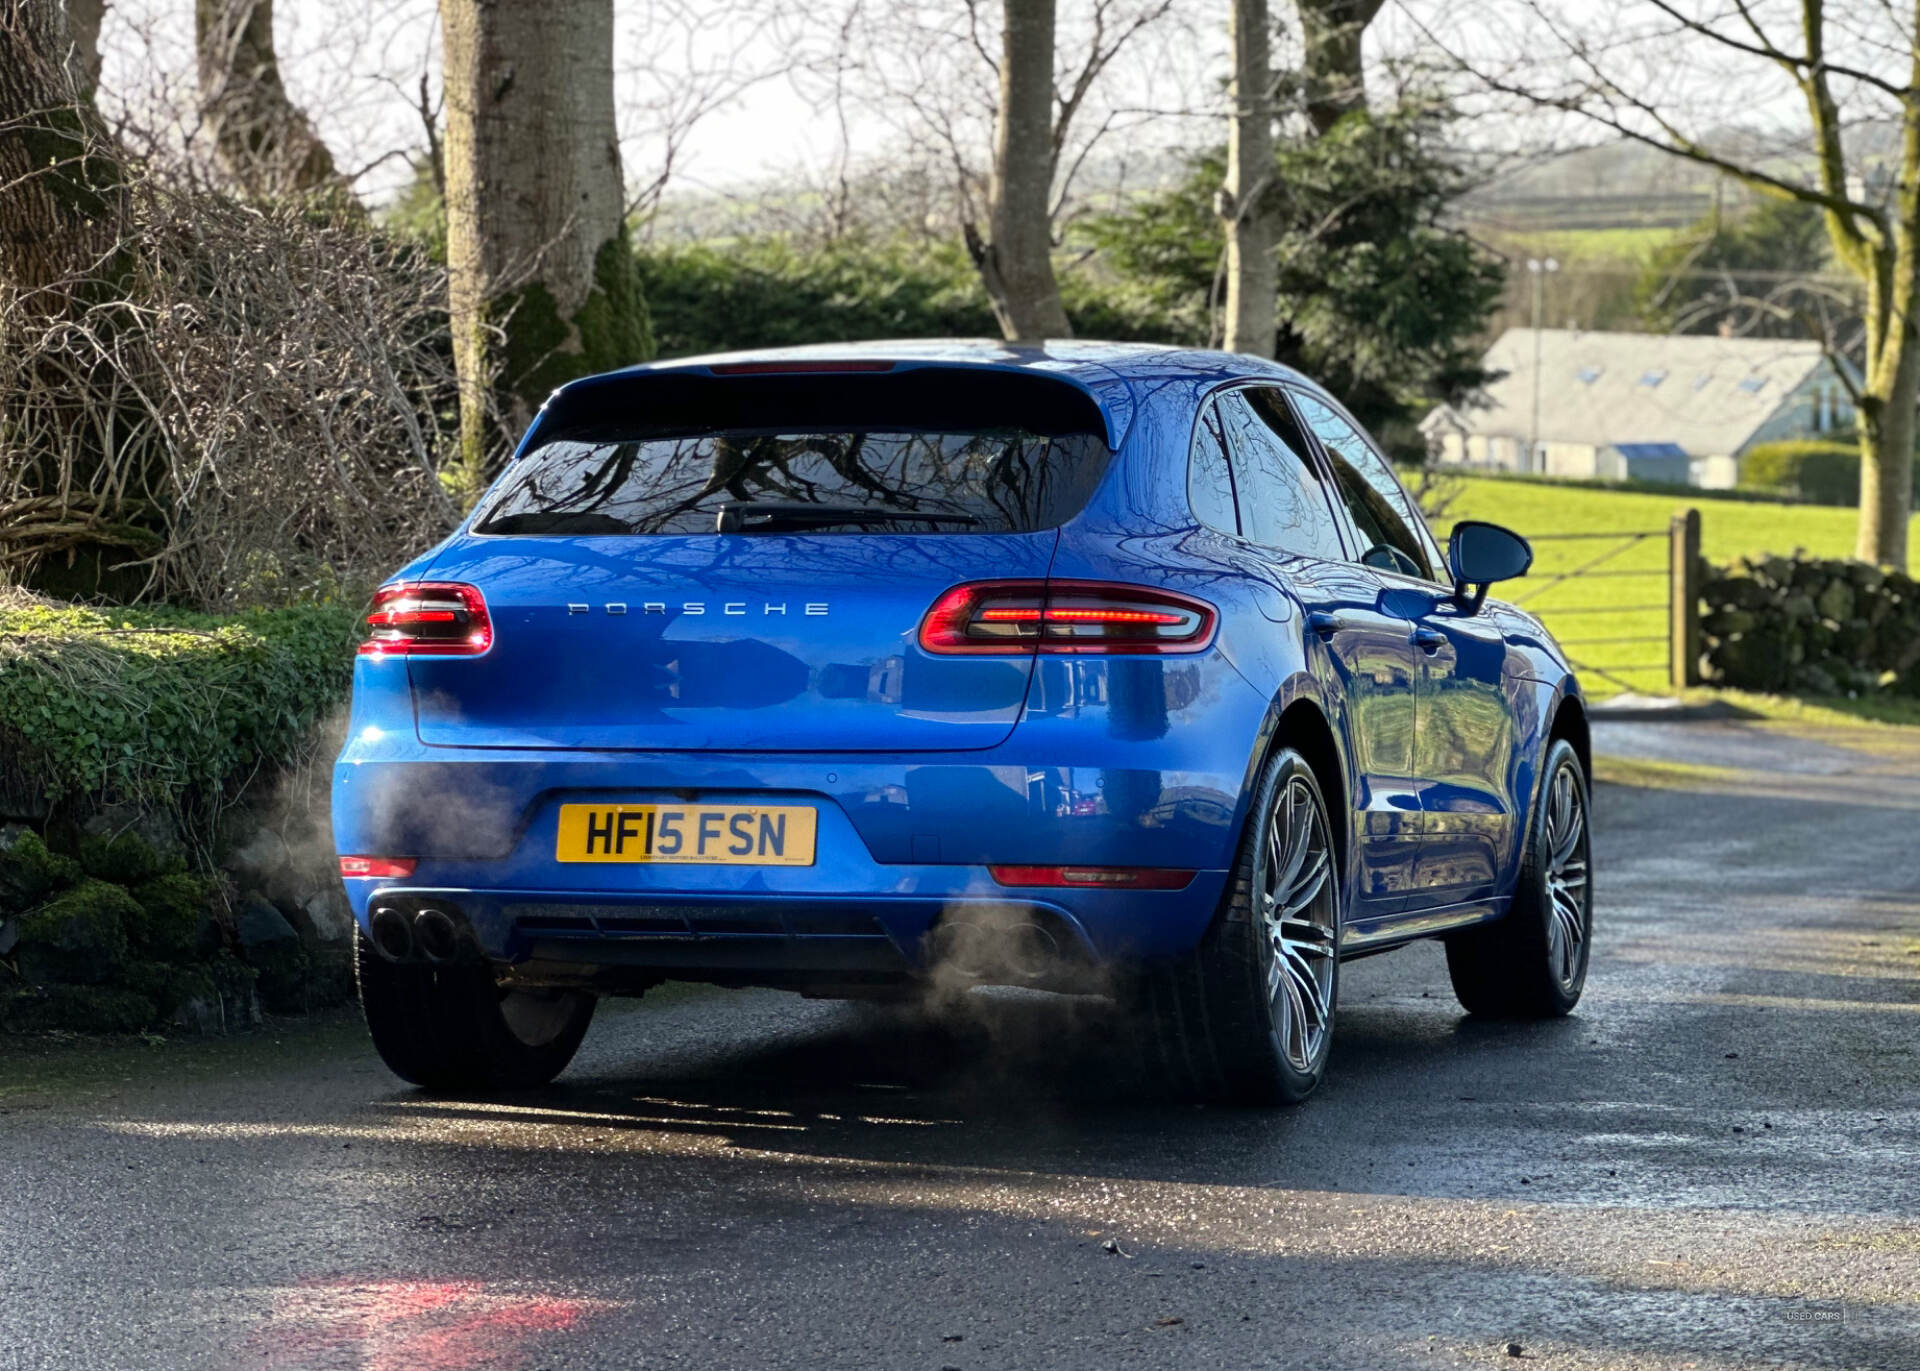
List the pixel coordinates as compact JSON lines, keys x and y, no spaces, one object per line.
{"x":1560,"y":756}
{"x":1243,"y":923}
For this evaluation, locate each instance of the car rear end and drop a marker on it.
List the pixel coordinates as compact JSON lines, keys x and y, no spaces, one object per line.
{"x":764,"y":672}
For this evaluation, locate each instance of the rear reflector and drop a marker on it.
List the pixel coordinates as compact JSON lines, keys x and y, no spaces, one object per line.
{"x":1111,"y":877}
{"x":377,"y":866}
{"x":1065,"y":616}
{"x":428,"y":619}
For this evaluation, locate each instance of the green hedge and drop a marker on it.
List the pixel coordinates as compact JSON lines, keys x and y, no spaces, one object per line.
{"x":1823,"y":473}
{"x":158,"y":708}
{"x":766,"y":292}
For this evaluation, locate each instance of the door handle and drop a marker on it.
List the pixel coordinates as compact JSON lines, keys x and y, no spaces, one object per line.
{"x":1429,"y":640}
{"x":1326,"y":625}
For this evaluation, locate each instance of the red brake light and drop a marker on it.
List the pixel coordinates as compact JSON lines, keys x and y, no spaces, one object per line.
{"x":1065,"y":616}
{"x":428,"y":619}
{"x":1112,"y":877}
{"x":377,"y":866}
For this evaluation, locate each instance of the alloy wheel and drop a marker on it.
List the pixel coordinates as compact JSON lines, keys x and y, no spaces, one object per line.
{"x":1300,"y":923}
{"x":1567,"y":882}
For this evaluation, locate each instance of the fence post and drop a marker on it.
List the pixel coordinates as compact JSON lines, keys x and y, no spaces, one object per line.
{"x":1683,"y":604}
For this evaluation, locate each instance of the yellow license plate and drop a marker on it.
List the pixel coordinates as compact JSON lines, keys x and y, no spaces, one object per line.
{"x":720,"y":835}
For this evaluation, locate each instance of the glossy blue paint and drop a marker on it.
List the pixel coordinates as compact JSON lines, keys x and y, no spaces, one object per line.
{"x":786,"y":668}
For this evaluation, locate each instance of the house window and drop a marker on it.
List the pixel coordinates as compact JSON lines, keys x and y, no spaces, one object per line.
{"x":1753,"y":385}
{"x":1700,"y":381}
{"x":1652,"y":378}
{"x":1588,"y":375}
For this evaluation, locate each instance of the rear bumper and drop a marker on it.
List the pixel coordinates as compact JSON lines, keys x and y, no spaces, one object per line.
{"x":845,"y":937}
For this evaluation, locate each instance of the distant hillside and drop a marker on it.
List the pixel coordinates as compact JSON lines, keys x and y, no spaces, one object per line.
{"x":1622,"y":185}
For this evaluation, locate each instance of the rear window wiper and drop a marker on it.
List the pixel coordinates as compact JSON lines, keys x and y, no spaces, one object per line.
{"x":765,"y":516}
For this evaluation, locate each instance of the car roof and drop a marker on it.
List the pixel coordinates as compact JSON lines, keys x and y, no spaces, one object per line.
{"x":1105,"y":371}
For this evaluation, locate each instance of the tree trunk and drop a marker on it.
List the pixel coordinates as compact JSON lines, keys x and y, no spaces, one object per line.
{"x":262,"y":139}
{"x":83,"y":26}
{"x":1335,"y":84}
{"x":1886,"y":438}
{"x":1016,"y":263}
{"x":61,"y":188}
{"x":1251,"y":275}
{"x":543,"y":282}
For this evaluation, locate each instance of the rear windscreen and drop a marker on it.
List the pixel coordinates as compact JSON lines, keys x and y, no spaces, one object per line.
{"x":604,"y":479}
{"x":751,"y":449}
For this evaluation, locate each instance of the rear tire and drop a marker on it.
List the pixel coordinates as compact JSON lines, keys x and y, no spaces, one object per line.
{"x":454,"y":1028}
{"x":1532,"y":964}
{"x":1248,"y":1015}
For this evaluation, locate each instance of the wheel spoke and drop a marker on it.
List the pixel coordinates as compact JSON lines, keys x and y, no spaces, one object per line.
{"x":1307,"y":884}
{"x":1309,"y":986}
{"x":1288,"y":841}
{"x":1276,"y":861}
{"x":1568,"y":909}
{"x":1568,"y":844}
{"x":1301,"y":1049}
{"x":1280,"y":998}
{"x":1307,"y":936}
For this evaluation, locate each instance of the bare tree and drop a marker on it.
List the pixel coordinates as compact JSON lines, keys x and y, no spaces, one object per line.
{"x":1629,"y":78}
{"x":263,"y":141}
{"x":1252,"y":279}
{"x":685,"y":61}
{"x":1331,"y":31}
{"x":1001,"y":102}
{"x":543,"y":283}
{"x":199,"y":399}
{"x":1016,"y":258}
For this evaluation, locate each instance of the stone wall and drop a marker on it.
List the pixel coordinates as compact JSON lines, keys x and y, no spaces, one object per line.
{"x":117,"y":923}
{"x":1808,"y":626}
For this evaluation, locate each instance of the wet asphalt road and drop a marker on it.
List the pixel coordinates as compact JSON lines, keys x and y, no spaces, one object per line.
{"x":1715,"y":1163}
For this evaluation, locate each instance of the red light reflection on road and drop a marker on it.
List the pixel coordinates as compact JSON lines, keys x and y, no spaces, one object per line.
{"x":411,"y":1326}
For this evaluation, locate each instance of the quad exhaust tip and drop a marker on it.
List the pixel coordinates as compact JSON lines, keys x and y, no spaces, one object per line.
{"x":436,"y":935}
{"x":1019,"y":952}
{"x":425,"y":935}
{"x":392,"y":934}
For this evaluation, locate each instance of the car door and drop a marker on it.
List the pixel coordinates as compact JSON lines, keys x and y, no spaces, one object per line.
{"x":1465,"y":730}
{"x":1285,"y":509}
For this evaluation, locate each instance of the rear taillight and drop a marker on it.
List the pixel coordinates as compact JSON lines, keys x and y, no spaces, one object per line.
{"x":1065,"y":616}
{"x":396,"y":867}
{"x":1110,"y":877}
{"x":428,"y":619}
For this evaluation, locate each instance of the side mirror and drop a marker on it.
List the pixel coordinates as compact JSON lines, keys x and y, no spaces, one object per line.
{"x":1479,"y":554}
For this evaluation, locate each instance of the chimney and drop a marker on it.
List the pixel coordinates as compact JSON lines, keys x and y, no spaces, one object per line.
{"x":1726,"y":328}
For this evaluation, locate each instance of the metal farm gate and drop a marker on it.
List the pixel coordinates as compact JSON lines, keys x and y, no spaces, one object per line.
{"x":1623,"y":604}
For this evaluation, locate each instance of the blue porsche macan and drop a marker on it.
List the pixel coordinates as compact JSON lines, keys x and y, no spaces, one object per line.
{"x":862,"y":669}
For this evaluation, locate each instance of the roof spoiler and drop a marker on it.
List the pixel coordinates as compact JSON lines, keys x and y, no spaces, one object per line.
{"x":826,"y":393}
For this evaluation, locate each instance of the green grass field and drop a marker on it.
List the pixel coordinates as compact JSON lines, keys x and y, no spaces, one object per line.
{"x":1594,"y":245}
{"x":1616,"y":623}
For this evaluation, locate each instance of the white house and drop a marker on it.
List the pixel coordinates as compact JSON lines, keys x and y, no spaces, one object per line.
{"x":1642,"y":406}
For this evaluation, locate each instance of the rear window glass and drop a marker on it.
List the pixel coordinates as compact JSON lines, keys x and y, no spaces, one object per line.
{"x":606,"y":480}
